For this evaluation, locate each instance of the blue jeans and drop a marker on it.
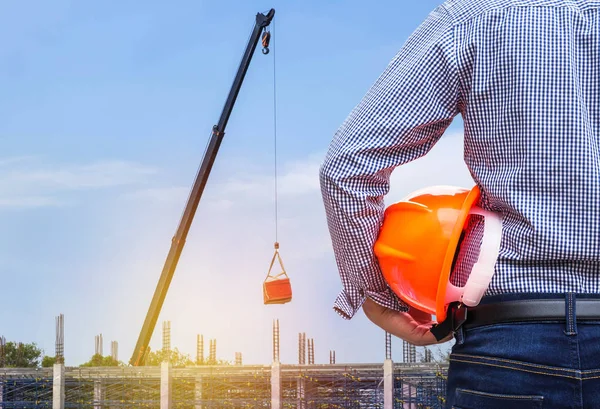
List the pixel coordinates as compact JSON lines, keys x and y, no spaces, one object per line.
{"x":526,"y":365}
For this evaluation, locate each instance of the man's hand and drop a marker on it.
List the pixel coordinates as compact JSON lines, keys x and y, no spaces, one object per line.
{"x":412,"y":326}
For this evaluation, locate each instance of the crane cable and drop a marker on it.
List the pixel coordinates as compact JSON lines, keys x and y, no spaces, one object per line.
{"x":275,"y":138}
{"x":266,"y":38}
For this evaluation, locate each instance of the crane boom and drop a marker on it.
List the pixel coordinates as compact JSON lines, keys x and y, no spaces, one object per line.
{"x":218,"y":131}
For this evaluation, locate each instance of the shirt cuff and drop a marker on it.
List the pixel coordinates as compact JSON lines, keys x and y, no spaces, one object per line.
{"x":348,"y":303}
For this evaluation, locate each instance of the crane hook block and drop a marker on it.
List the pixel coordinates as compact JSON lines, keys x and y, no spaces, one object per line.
{"x":266,"y":38}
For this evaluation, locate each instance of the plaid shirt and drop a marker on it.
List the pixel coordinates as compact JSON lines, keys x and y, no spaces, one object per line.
{"x":525,"y":77}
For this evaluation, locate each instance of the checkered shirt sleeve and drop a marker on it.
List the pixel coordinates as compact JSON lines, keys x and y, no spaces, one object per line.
{"x":401,"y":117}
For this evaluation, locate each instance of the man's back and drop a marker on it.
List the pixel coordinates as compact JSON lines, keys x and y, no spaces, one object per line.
{"x":529,"y":74}
{"x":525,"y":77}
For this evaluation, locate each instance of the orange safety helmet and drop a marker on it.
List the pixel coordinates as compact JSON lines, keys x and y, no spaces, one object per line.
{"x":418,"y":241}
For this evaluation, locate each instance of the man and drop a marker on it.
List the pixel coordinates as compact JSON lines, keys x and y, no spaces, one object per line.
{"x":525,"y":77}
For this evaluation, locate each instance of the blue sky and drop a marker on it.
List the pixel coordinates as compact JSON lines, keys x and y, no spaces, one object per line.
{"x":104,"y":116}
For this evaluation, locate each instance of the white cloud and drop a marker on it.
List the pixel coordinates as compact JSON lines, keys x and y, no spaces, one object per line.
{"x":30,"y":201}
{"x":72,"y":177}
{"x":300,"y":178}
{"x":294,"y":179}
{"x":15,"y":159}
{"x":30,"y":182}
{"x":174,"y":194}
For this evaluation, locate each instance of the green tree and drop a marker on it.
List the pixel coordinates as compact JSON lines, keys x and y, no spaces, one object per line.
{"x":99,"y":360}
{"x":443,"y":355}
{"x":48,"y":361}
{"x":20,"y":355}
{"x":218,"y":362}
{"x":177,"y":359}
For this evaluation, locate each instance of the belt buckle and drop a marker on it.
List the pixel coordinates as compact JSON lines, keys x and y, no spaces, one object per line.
{"x":456,"y":317}
{"x":459,"y":317}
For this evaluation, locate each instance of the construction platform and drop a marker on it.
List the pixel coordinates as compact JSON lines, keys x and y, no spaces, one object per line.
{"x":387,"y":385}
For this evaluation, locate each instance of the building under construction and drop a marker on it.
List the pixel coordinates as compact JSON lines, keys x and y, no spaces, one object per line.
{"x":207,"y":385}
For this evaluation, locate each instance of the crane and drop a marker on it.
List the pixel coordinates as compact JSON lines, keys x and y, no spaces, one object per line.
{"x":218,"y":131}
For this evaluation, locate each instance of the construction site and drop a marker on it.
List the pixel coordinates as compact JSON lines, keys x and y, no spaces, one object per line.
{"x":208,"y":384}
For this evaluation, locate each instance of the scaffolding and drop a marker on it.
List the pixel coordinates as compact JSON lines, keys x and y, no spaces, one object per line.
{"x":232,"y":386}
{"x":212,"y":383}
{"x":426,"y":389}
{"x":338,"y":386}
{"x":26,"y":388}
{"x":222,"y":386}
{"x":409,"y":352}
{"x":114,"y":387}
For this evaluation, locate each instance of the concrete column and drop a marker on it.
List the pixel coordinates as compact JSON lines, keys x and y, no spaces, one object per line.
{"x":58,"y":387}
{"x":1,"y":390}
{"x":98,"y":395}
{"x":165,"y":385}
{"x":198,"y":393}
{"x":388,"y":384}
{"x":276,"y":386}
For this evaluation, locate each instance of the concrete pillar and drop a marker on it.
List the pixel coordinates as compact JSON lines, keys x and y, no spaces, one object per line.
{"x":58,"y":387}
{"x":165,"y":385}
{"x":276,"y":386}
{"x":388,"y":384}
{"x":198,"y":393}
{"x":98,"y":395}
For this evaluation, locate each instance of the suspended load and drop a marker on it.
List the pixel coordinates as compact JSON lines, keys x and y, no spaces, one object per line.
{"x":277,"y":288}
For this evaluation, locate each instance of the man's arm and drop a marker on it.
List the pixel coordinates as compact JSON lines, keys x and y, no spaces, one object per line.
{"x":399,"y":120}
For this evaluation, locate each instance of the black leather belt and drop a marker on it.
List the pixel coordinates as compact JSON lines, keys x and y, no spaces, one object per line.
{"x":530,"y":310}
{"x":538,"y":310}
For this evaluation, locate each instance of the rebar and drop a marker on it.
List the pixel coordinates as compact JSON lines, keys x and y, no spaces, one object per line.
{"x":428,"y":355}
{"x":199,"y":349}
{"x":388,"y":345}
{"x":212,"y":358}
{"x":302,"y":348}
{"x":60,"y":340}
{"x":409,"y":352}
{"x":275,"y":340}
{"x":98,"y":346}
{"x":311,"y":351}
{"x":2,"y":351}
{"x":114,"y":351}
{"x":166,"y":349}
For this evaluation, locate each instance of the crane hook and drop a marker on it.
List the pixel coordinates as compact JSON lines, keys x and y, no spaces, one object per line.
{"x":266,"y":37}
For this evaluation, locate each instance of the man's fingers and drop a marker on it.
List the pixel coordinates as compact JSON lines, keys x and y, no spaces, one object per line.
{"x":420,"y":334}
{"x":412,"y":328}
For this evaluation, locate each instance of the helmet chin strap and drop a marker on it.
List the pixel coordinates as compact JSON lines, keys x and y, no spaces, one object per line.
{"x":483,"y":270}
{"x":479,"y":280}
